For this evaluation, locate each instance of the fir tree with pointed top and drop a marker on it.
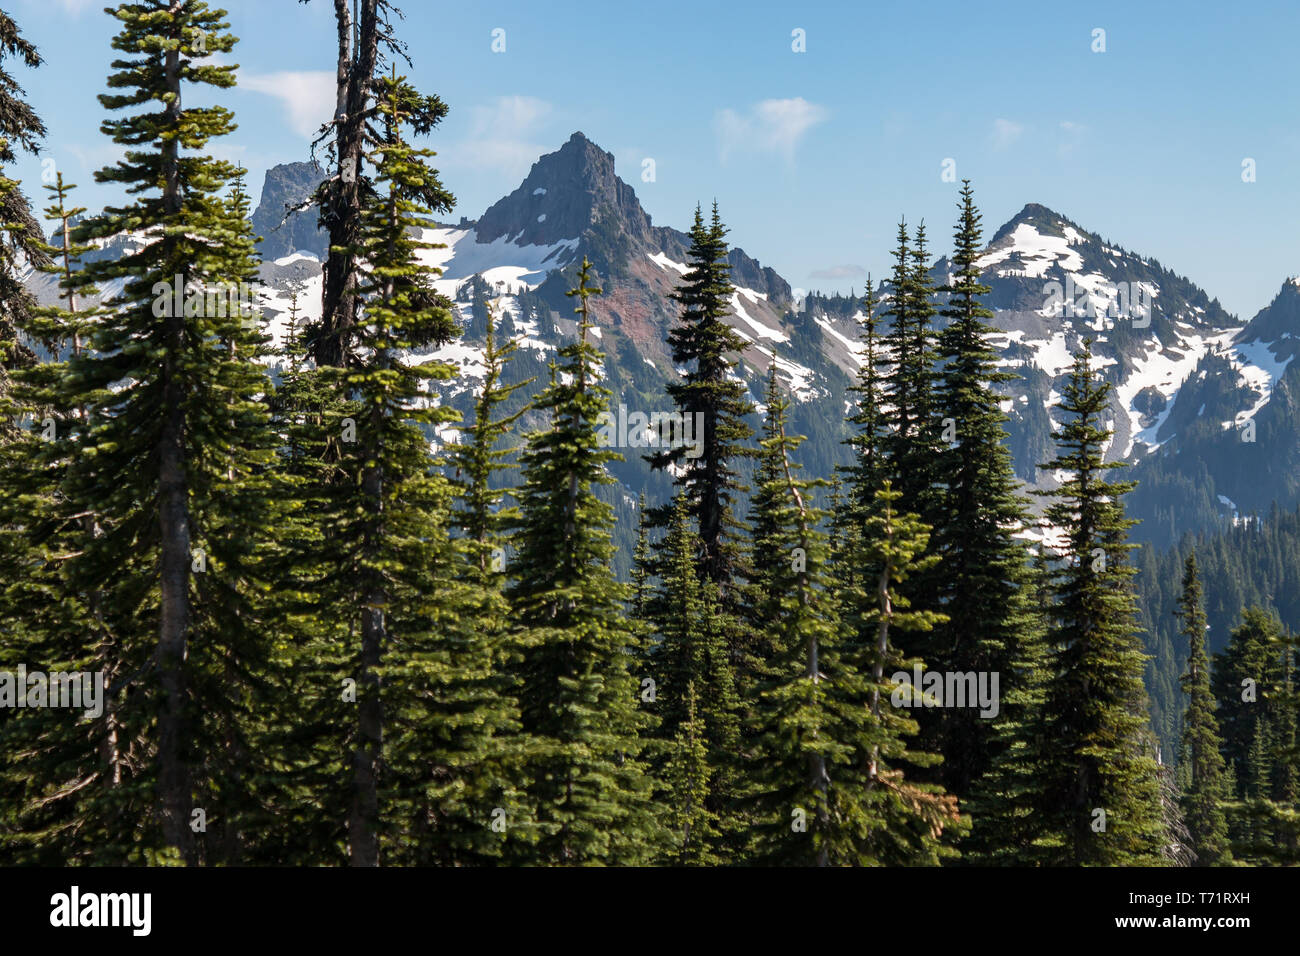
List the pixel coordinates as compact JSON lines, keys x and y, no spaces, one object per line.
{"x":911,"y":441}
{"x":590,"y":790}
{"x":704,"y":345}
{"x":864,"y":474}
{"x":641,"y":563}
{"x":170,"y":457}
{"x":479,"y":457}
{"x":1204,"y":794}
{"x":1101,"y":788}
{"x":828,"y":787}
{"x":982,"y":586}
{"x":769,"y":535}
{"x":21,"y":128}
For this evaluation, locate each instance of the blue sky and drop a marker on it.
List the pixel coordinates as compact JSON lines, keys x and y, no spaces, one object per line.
{"x":812,"y":156}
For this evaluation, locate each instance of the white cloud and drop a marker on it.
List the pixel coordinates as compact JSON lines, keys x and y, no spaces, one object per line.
{"x":774,"y":126}
{"x":75,"y":7}
{"x":502,"y":135}
{"x":1006,"y":132}
{"x":307,"y":95}
{"x":1072,"y":135}
{"x":95,"y":157}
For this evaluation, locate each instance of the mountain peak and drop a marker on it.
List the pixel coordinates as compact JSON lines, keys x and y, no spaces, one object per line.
{"x":1278,"y":323}
{"x":1044,"y":220}
{"x":1036,"y":210}
{"x":565,"y":194}
{"x":283,"y":231}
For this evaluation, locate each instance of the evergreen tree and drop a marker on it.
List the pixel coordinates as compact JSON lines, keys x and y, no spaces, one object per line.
{"x":911,"y":440}
{"x":641,"y":563}
{"x":431,"y":705}
{"x":865,"y":476}
{"x":590,"y":790}
{"x":689,"y":654}
{"x":1204,"y":793}
{"x":484,"y":520}
{"x":689,"y":777}
{"x":1102,"y":793}
{"x":20,"y":128}
{"x":825,"y":790}
{"x":982,"y":587}
{"x":911,"y":443}
{"x":864,"y":473}
{"x":1005,"y":825}
{"x":169,"y":466}
{"x":1247,"y":673}
{"x":479,"y":457}
{"x":703,"y":344}
{"x":1253,"y":684}
{"x":914,"y":815}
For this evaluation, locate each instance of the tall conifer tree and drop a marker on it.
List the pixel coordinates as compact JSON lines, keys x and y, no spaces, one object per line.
{"x":1205,"y":792}
{"x":169,"y":455}
{"x":590,"y":790}
{"x":828,"y":786}
{"x":982,"y":588}
{"x":1102,"y":793}
{"x":20,"y":128}
{"x":704,"y":344}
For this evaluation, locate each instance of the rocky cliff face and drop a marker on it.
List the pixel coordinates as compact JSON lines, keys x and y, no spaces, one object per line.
{"x":1190,"y":381}
{"x":285,"y":231}
{"x":566,"y":194}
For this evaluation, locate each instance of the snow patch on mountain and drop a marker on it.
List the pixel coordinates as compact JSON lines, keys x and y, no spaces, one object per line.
{"x":500,"y":262}
{"x":1165,"y":370}
{"x":663,"y":262}
{"x":851,"y":348}
{"x":1258,"y":369}
{"x":761,"y":330}
{"x":1030,"y":253}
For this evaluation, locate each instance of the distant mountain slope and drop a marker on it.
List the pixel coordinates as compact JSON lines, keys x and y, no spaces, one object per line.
{"x":1256,"y":562}
{"x":1190,"y":379}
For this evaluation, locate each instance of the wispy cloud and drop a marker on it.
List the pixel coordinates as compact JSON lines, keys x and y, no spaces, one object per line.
{"x":838,"y":272}
{"x":75,"y":7}
{"x":91,"y":157}
{"x":308,"y":96}
{"x":1006,"y":132}
{"x":503,"y":135}
{"x":1072,"y":135}
{"x":772,"y":126}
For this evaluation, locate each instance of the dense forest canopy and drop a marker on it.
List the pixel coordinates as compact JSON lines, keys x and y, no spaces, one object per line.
{"x":258,"y":607}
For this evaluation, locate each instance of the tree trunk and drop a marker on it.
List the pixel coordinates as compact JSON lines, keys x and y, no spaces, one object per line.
{"x":356,"y":67}
{"x":174,"y":527}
